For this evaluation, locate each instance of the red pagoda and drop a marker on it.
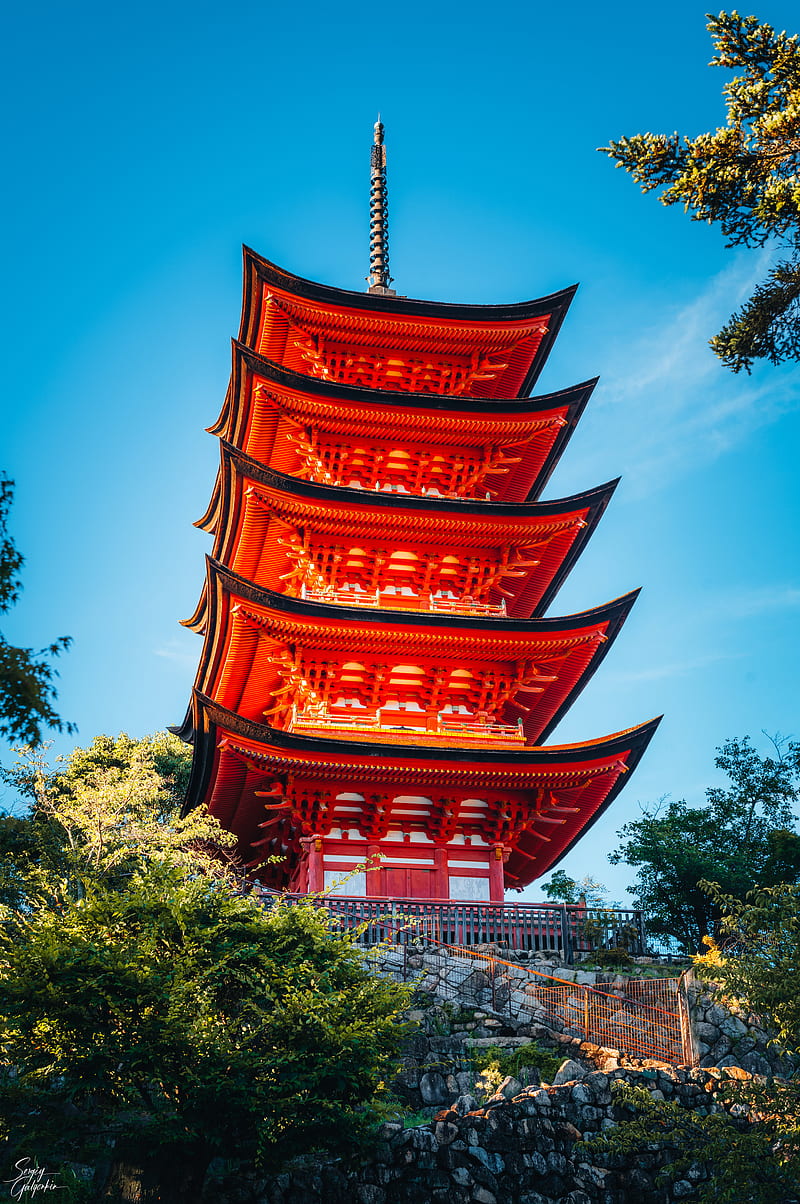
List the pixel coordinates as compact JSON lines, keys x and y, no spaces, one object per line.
{"x":377,"y":675}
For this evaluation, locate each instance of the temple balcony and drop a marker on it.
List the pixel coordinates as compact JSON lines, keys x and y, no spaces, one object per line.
{"x":404,"y":727}
{"x":568,"y":931}
{"x":428,"y":603}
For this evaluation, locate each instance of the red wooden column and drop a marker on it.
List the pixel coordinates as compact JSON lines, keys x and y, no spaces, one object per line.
{"x":312,"y":845}
{"x":441,"y":888}
{"x":496,"y":879}
{"x":376,"y":878}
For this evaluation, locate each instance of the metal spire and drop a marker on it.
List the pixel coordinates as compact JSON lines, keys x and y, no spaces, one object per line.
{"x":379,"y":278}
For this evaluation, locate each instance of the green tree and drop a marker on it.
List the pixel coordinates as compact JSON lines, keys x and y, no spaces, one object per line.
{"x":742,"y":838}
{"x":563,"y":889}
{"x":149,"y":1007}
{"x":749,"y":1146}
{"x":756,"y":957}
{"x":184,"y":1022}
{"x":99,"y":814}
{"x":745,"y":177}
{"x":27,"y":693}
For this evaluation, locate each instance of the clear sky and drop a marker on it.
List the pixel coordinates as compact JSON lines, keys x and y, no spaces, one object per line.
{"x":144,"y":144}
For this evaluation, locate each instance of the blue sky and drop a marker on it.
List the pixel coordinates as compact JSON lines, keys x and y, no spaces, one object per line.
{"x":144,"y":145}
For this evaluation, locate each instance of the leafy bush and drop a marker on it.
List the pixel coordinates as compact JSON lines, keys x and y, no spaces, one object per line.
{"x":495,"y":1064}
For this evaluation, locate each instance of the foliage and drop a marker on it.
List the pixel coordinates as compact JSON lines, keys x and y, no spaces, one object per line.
{"x":742,"y":838}
{"x":748,"y":1149}
{"x":27,"y":693}
{"x":108,"y":807}
{"x":745,"y":177}
{"x":588,"y":891}
{"x":147,"y":1002}
{"x":494,"y":1064}
{"x":615,"y":958}
{"x":187,"y":1022}
{"x":760,"y":961}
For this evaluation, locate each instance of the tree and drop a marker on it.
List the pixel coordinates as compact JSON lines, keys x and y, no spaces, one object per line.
{"x":150,"y":1007}
{"x":749,"y":1146}
{"x":99,"y":814}
{"x":588,"y":891}
{"x":185,"y":1022}
{"x":742,"y":838}
{"x":27,"y":693}
{"x":756,"y":957}
{"x":744,"y":177}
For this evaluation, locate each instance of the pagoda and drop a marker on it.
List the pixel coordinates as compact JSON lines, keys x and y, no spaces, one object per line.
{"x":378,"y":674}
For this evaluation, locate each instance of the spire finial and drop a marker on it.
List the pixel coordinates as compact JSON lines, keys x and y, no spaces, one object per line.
{"x":379,"y":278}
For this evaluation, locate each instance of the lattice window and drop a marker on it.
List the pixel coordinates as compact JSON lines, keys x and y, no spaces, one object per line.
{"x":374,"y":368}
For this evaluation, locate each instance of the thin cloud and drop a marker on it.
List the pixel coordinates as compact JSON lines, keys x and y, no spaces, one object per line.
{"x":172,"y":651}
{"x":671,"y":669}
{"x":671,"y":404}
{"x":745,"y":603}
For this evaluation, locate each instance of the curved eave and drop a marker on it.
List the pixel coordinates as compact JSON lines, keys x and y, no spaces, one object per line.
{"x":521,"y":635}
{"x":567,"y":404}
{"x":582,"y":824}
{"x":353,"y":754}
{"x":260,"y":271}
{"x":611,"y":612}
{"x":341,"y":496}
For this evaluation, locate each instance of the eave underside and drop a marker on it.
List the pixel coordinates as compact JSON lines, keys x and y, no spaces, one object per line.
{"x":557,"y":792}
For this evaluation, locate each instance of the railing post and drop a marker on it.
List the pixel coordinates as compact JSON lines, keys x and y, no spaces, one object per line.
{"x":566,"y":936}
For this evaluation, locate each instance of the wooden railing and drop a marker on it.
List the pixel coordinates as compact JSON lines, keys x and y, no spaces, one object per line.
{"x":564,"y":929}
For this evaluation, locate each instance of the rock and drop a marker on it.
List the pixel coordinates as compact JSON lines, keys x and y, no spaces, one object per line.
{"x":465,"y":1104}
{"x":755,"y":1063}
{"x":569,"y":1070}
{"x":581,"y":1094}
{"x":482,"y":1195}
{"x":445,"y":1132}
{"x":509,"y":1087}
{"x":433,"y":1089}
{"x":682,"y":1189}
{"x":368,"y":1193}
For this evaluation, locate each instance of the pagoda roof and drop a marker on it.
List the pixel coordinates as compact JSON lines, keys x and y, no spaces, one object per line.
{"x":241,"y":673}
{"x":522,"y":332}
{"x":539,"y":427}
{"x":562,"y":526}
{"x":233,"y":757}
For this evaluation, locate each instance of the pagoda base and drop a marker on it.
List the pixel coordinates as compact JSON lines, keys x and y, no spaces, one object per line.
{"x":406,"y":867}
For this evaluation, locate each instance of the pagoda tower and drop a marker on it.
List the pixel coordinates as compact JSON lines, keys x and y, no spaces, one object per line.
{"x":377,"y":676}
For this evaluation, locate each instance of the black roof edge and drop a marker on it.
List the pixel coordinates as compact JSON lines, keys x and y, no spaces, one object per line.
{"x":634,"y":739}
{"x":648,"y":730}
{"x":490,"y":407}
{"x":234,"y":582}
{"x":619,"y":614}
{"x":581,"y":395}
{"x":599,"y":495}
{"x":578,"y":544}
{"x":409,"y":306}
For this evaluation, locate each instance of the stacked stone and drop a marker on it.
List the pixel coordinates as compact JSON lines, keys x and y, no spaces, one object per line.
{"x":725,"y":1036}
{"x":521,"y":1150}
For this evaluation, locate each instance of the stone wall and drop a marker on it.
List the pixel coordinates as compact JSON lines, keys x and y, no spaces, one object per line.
{"x":519,"y":1146}
{"x":512,"y":1151}
{"x":726,"y":1036}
